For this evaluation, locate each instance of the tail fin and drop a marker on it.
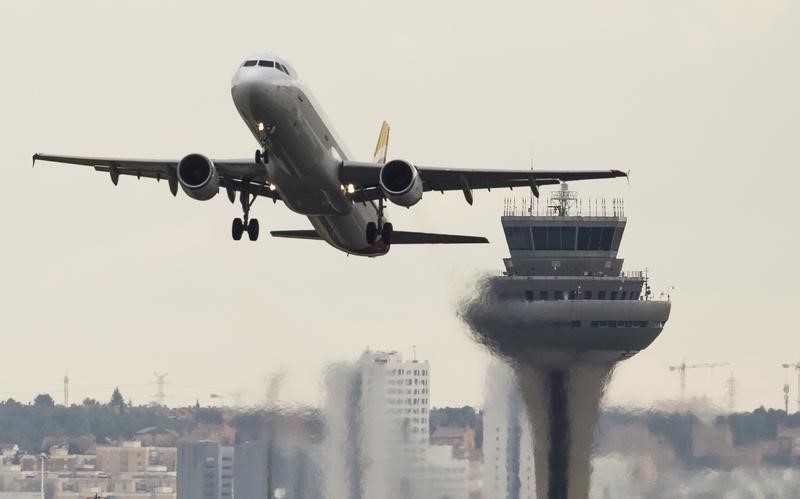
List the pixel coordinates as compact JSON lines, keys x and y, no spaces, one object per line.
{"x":383,"y":145}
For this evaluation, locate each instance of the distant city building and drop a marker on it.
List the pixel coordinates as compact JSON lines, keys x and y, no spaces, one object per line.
{"x":460,"y":438}
{"x":401,"y":389}
{"x":377,"y":413}
{"x":130,"y":457}
{"x":205,"y":471}
{"x":290,"y":467}
{"x":508,"y":470}
{"x":445,"y":476}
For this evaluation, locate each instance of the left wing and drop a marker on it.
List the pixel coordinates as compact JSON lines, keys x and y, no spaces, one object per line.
{"x":234,"y":175}
{"x":365,"y":177}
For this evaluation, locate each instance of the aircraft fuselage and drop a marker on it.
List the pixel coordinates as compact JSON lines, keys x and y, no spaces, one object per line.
{"x":304,"y":154}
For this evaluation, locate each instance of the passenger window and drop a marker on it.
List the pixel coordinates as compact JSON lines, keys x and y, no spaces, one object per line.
{"x":249,"y":63}
{"x":266,"y":64}
{"x":543,"y":295}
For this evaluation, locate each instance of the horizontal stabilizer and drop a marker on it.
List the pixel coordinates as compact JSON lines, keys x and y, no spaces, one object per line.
{"x":296,"y":234}
{"x":398,"y":237}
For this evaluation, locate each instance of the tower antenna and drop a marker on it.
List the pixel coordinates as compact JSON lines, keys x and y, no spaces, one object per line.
{"x":66,"y":390}
{"x":160,"y":395}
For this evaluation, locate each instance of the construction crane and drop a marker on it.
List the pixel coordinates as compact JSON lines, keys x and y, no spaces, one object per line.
{"x":683,"y":366}
{"x":796,"y":366}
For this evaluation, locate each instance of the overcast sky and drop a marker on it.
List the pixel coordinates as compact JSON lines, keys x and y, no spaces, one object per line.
{"x":699,"y":99}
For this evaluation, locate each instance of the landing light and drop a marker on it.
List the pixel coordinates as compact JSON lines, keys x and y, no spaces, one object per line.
{"x":272,"y":187}
{"x":351,"y":188}
{"x":260,"y":126}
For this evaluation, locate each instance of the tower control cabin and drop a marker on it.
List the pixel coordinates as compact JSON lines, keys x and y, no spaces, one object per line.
{"x":563,"y":291}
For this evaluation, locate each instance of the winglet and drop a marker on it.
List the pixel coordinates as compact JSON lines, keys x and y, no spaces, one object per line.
{"x":383,"y":145}
{"x":33,"y":159}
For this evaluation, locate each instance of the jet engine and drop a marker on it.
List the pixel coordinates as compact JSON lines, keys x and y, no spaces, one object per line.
{"x":401,"y":183}
{"x":198,"y":177}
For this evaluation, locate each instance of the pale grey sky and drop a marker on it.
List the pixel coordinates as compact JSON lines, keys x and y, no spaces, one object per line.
{"x":698,"y":98}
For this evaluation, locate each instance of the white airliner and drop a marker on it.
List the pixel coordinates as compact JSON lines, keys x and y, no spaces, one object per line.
{"x":303,"y":163}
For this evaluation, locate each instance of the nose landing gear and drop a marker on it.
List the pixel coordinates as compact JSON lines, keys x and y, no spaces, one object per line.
{"x":262,"y":155}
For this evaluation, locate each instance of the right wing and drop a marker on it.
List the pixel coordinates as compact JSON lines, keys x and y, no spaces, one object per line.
{"x":365,"y":177}
{"x":233,"y":174}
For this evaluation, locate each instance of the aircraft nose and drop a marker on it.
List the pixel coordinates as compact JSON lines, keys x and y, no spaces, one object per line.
{"x":247,"y":83}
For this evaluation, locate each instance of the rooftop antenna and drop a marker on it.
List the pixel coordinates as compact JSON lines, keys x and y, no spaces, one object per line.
{"x":66,"y":390}
{"x":414,"y":349}
{"x":160,"y":395}
{"x":530,"y":208}
{"x":796,"y":366}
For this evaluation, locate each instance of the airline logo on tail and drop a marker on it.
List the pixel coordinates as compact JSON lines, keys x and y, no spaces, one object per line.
{"x":381,"y":148}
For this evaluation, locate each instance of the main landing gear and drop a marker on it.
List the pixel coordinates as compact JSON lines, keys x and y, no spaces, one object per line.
{"x":245,"y":224}
{"x":385,"y":229}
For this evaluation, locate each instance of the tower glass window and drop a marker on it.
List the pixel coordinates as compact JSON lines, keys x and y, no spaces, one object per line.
{"x":519,"y":238}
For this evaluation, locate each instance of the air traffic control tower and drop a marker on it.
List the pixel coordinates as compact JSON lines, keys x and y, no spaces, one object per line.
{"x":563,"y":314}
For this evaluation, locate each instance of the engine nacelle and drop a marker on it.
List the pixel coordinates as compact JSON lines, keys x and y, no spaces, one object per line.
{"x":198,"y":177}
{"x":401,"y":183}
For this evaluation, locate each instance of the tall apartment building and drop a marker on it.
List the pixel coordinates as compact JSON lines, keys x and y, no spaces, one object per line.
{"x":377,"y":412}
{"x":508,"y":470}
{"x":205,"y":471}
{"x":400,"y":389}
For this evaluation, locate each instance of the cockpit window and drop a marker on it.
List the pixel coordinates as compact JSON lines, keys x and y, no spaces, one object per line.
{"x":266,"y":64}
{"x":249,"y":63}
{"x":282,"y":67}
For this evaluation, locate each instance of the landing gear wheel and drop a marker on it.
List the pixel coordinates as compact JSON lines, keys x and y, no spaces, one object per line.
{"x":252,"y":229}
{"x":237,"y":229}
{"x":372,"y":233}
{"x":258,"y":156}
{"x":262,"y":157}
{"x":386,"y":233}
